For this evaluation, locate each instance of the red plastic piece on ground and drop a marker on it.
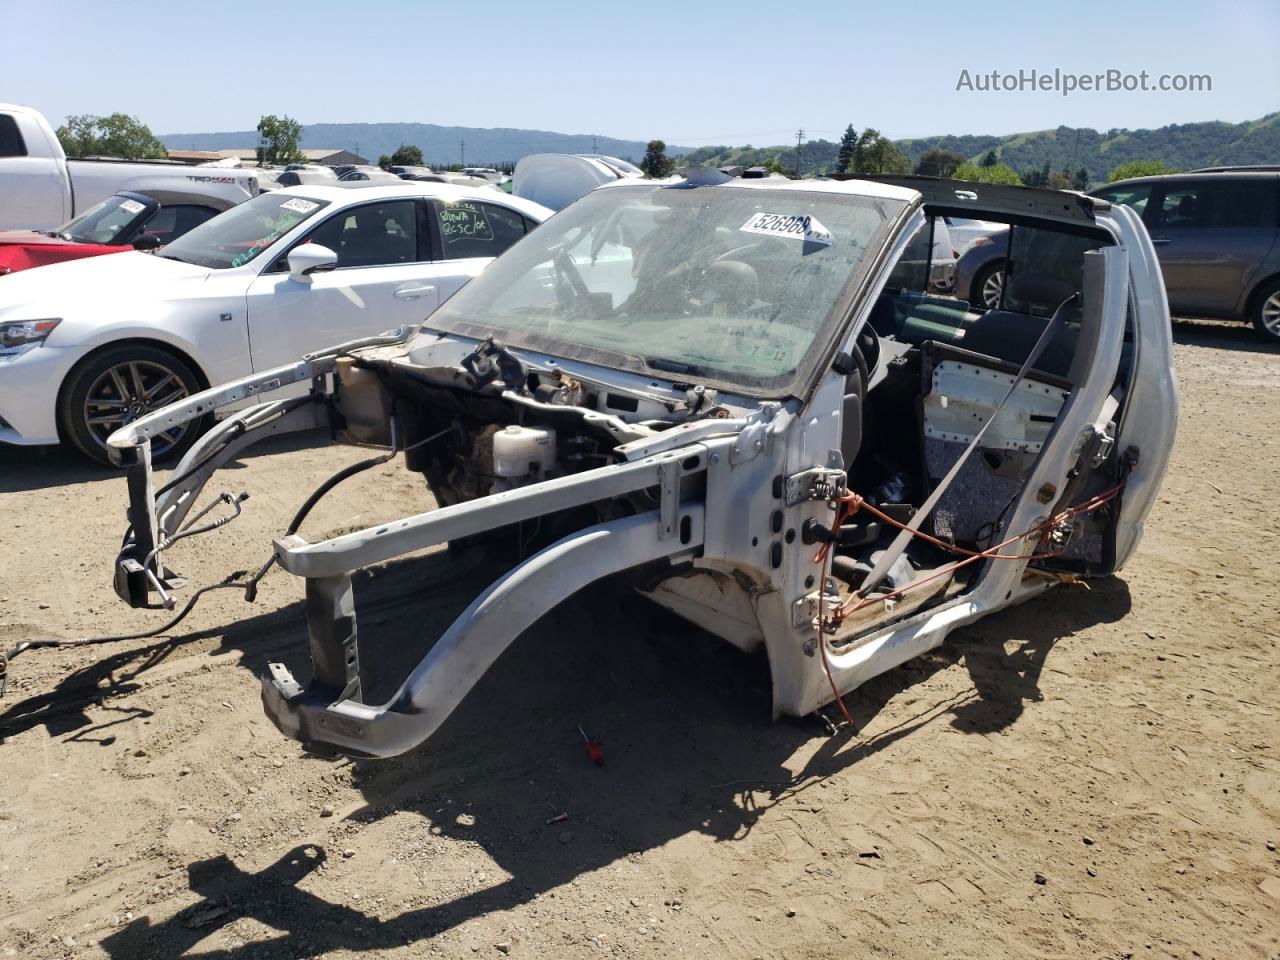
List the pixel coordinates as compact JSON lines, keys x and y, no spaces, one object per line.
{"x":594,"y":750}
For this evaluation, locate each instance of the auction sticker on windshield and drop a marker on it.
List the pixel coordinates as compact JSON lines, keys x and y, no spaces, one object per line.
{"x":795,"y":227}
{"x":131,"y":206}
{"x":298,"y":205}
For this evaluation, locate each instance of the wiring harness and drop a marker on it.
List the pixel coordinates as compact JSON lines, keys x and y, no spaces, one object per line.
{"x":234,"y":580}
{"x":850,"y":503}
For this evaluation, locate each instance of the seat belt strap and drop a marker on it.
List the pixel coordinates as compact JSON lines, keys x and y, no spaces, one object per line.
{"x":890,"y":556}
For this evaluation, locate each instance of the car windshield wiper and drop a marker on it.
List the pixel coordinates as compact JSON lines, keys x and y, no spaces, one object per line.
{"x":173,"y":256}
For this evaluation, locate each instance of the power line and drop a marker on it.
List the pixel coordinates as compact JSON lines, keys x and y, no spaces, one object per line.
{"x":722,"y":137}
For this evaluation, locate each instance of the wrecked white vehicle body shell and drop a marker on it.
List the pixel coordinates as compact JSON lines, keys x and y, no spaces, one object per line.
{"x":717,"y":502}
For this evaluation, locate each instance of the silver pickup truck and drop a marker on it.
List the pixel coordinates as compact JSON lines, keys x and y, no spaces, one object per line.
{"x":743,"y":395}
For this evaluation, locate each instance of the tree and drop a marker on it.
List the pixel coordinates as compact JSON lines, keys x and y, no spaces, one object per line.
{"x":990,"y":160}
{"x":406,"y":156}
{"x":938,"y":163}
{"x":1139,"y":168}
{"x":996,"y":173}
{"x":1059,"y":180}
{"x":1081,"y":180}
{"x":656,"y":163}
{"x":1037,"y":178}
{"x":847,"y":144}
{"x":874,"y":153}
{"x":384,"y":161}
{"x":118,"y":135}
{"x":278,"y":140}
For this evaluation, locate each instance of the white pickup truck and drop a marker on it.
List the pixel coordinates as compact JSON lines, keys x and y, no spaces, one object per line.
{"x":40,"y":188}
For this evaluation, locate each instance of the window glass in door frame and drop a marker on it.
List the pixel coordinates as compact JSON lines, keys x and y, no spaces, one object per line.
{"x":427,"y":242}
{"x":176,"y":208}
{"x":1154,"y":213}
{"x":12,"y":143}
{"x":1268,"y":191}
{"x":435,"y":203}
{"x":1144,"y":213}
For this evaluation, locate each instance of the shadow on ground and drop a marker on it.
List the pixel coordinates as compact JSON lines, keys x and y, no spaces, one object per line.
{"x":684,"y":721}
{"x":38,"y":468}
{"x":1221,"y":334}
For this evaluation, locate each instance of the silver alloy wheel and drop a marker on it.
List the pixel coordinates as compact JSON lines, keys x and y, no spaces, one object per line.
{"x":1271,"y":314}
{"x":127,"y":391}
{"x":992,"y":287}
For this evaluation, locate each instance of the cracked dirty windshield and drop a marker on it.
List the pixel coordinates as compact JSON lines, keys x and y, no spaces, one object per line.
{"x":725,"y":284}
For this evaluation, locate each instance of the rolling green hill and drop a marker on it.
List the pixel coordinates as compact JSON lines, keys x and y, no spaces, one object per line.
{"x":1182,"y":146}
{"x":440,"y":145}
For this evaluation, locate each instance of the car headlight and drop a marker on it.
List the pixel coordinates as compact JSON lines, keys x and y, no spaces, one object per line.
{"x":26,"y":333}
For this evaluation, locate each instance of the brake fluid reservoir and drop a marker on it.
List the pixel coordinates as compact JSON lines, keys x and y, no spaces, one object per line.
{"x":519,"y":451}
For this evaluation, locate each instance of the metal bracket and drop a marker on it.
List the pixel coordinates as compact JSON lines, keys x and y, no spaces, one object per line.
{"x":804,"y":611}
{"x":1096,"y":444}
{"x":816,"y":483}
{"x":750,"y":441}
{"x":360,"y":548}
{"x":1060,"y":535}
{"x":668,"y":497}
{"x":1106,"y":443}
{"x":331,"y":626}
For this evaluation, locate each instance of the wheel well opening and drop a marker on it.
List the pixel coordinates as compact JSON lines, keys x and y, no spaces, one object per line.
{"x":176,"y":352}
{"x":1255,"y":295}
{"x":995,"y":263}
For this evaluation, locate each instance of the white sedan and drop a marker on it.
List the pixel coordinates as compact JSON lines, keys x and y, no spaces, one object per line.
{"x":88,"y":346}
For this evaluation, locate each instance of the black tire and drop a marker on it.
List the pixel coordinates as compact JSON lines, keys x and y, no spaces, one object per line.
{"x":1264,"y":310}
{"x":117,"y":385}
{"x":982,"y":287}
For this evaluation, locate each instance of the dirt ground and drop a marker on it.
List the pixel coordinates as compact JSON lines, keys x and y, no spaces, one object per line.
{"x":1093,"y":774}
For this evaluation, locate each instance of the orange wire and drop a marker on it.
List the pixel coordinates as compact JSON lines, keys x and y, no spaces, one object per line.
{"x":822,"y":627}
{"x":851,"y":502}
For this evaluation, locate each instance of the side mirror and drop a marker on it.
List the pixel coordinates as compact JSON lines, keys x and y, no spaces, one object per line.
{"x":146,"y":242}
{"x":308,"y":258}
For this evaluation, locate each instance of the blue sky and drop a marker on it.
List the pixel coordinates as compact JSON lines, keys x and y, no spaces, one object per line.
{"x":691,"y":73}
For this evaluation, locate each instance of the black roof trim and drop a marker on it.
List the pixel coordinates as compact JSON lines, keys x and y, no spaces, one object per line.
{"x":1063,"y":206}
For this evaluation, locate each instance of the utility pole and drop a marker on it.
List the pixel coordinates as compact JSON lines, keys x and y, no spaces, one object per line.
{"x":799,"y":139}
{"x":593,"y":144}
{"x":463,"y":150}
